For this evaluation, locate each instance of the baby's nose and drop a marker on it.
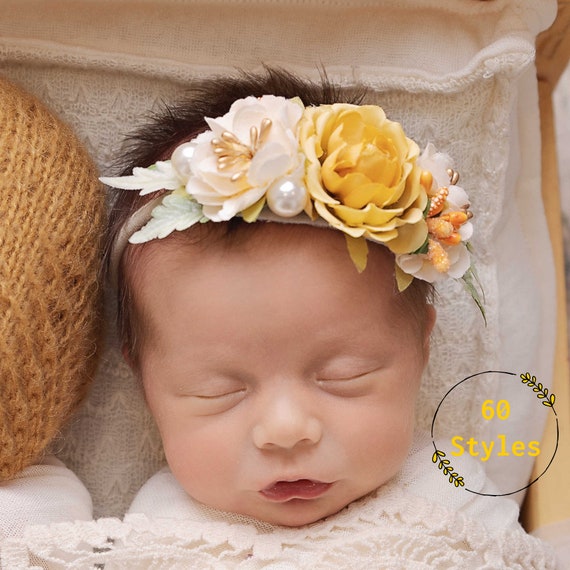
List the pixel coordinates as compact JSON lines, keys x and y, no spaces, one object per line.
{"x":285,"y":423}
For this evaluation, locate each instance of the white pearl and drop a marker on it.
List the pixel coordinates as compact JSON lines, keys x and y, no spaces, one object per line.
{"x":181,"y":158}
{"x":286,"y":198}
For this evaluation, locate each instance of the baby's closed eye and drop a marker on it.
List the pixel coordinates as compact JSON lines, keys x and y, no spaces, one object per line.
{"x":212,"y":395}
{"x":358,"y":382}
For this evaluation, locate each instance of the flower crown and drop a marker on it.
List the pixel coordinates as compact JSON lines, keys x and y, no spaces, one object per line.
{"x":344,"y":166}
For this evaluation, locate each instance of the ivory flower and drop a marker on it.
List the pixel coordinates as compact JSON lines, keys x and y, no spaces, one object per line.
{"x":262,"y":155}
{"x":438,"y":164}
{"x":419,"y":265}
{"x":362,"y":175}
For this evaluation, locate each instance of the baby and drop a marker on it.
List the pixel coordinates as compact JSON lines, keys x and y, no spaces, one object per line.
{"x":274,"y":281}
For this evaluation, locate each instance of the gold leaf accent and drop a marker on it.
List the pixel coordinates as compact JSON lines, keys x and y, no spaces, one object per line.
{"x":453,"y":176}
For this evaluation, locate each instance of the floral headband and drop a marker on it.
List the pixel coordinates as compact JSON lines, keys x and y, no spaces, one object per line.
{"x":343,"y":166}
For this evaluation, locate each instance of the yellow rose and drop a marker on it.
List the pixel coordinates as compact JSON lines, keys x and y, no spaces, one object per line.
{"x":362,"y":175}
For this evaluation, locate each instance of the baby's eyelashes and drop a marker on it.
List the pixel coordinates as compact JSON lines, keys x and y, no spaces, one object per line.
{"x":350,"y":387}
{"x":209,"y":402}
{"x":214,"y":396}
{"x":211,"y":388}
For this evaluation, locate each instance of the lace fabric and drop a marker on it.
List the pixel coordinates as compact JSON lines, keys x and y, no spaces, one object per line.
{"x":397,"y":526}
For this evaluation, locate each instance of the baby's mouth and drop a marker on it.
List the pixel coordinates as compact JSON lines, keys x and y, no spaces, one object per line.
{"x":282,"y":491}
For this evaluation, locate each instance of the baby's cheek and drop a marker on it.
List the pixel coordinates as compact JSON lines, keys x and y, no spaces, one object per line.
{"x":382,"y":440}
{"x":201,"y":460}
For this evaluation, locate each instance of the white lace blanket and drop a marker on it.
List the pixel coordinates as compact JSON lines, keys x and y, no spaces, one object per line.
{"x":398,"y":534}
{"x":418,"y":521}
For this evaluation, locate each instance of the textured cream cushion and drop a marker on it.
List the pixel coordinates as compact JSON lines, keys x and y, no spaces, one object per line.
{"x":458,"y":73}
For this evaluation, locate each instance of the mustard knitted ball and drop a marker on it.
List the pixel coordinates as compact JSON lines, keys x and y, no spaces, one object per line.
{"x":51,"y":224}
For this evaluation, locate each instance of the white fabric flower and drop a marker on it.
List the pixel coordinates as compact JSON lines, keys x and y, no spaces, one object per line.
{"x":418,"y":265}
{"x":276,"y":156}
{"x":438,"y":163}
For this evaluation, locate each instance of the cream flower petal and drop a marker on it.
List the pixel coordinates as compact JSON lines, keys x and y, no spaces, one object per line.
{"x":466,"y":231}
{"x":202,"y":193}
{"x":269,"y":163}
{"x":420,"y":267}
{"x":457,"y":199}
{"x":460,"y":260}
{"x":437,"y":163}
{"x":411,"y":263}
{"x":233,"y":206}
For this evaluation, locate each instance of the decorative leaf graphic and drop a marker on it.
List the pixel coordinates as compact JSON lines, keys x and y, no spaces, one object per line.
{"x":540,"y":391}
{"x":444,"y":465}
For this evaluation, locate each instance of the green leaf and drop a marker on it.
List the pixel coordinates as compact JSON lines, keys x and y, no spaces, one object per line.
{"x":475,"y":289}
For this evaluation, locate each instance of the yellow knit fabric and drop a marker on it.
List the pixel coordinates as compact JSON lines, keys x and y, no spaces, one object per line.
{"x":51,"y":223}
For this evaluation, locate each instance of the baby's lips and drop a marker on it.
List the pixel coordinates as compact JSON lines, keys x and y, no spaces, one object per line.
{"x":282,"y":491}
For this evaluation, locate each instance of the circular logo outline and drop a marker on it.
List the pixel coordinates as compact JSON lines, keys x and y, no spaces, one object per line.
{"x":445,"y":465}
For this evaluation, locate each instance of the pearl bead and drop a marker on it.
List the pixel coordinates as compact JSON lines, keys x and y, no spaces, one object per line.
{"x":286,"y":198}
{"x":181,"y":158}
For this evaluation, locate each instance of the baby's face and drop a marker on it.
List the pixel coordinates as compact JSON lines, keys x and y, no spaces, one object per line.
{"x":283,"y":382}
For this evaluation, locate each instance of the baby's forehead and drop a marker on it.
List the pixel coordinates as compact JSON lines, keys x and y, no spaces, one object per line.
{"x":279,"y":242}
{"x":281,"y":282}
{"x":270,"y":258}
